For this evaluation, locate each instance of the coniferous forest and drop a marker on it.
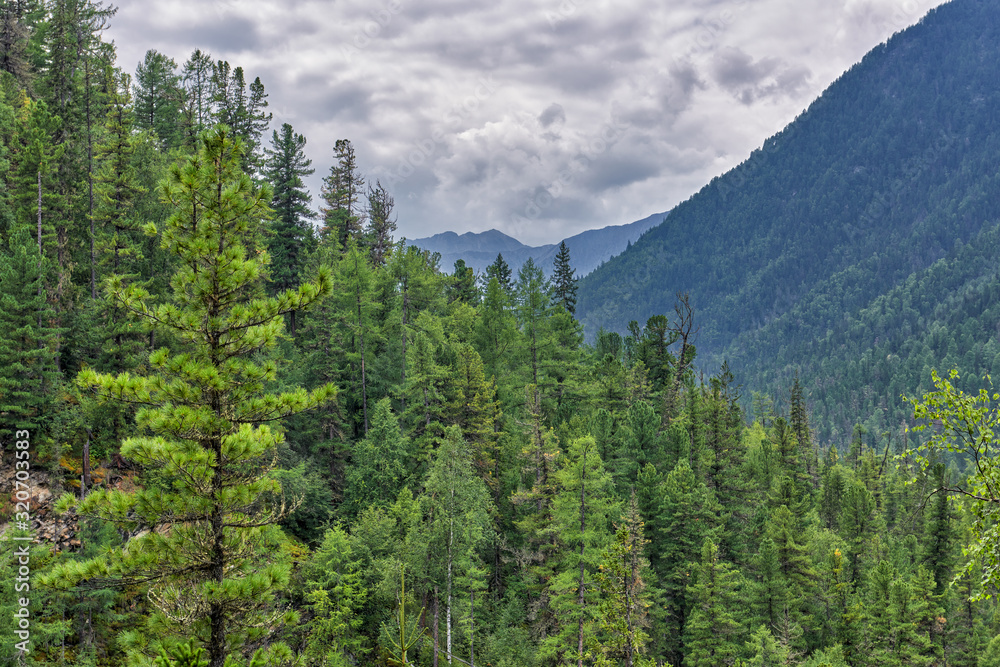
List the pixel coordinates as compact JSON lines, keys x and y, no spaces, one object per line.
{"x":261,"y":430}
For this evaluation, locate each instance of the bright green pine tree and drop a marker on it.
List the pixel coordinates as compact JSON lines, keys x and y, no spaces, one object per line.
{"x":563,"y":281}
{"x":463,"y":284}
{"x":379,"y":465}
{"x":458,"y":507}
{"x":334,"y":594}
{"x":497,"y":339}
{"x":582,"y":510}
{"x":473,"y":406}
{"x":212,"y":449}
{"x":713,"y":634}
{"x":159,"y":98}
{"x":285,"y":165}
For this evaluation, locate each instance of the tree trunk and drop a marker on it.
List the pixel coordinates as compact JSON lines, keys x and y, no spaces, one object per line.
{"x":435,"y":632}
{"x":472,"y":628}
{"x":451,"y":537}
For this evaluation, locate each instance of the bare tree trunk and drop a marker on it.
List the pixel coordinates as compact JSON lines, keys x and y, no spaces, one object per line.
{"x":451,"y":537}
{"x":435,"y":632}
{"x":472,"y":629}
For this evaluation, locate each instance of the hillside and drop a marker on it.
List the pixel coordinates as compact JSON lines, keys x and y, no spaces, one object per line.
{"x":889,"y":171}
{"x":588,"y":249}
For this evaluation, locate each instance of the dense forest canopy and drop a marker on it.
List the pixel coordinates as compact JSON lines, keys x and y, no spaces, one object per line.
{"x":280,"y":436}
{"x":850,"y":246}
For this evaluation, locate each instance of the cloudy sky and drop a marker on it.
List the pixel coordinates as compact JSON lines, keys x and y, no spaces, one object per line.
{"x":540,"y":118}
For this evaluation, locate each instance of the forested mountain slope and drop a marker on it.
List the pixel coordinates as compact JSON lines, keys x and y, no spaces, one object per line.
{"x":880,"y":178}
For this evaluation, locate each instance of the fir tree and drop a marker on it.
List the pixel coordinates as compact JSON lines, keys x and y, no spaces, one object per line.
{"x":210,"y":413}
{"x":712,"y":634}
{"x":378,"y":467}
{"x":501,"y":271}
{"x":158,"y":98}
{"x":285,"y":166}
{"x":563,"y":281}
{"x":28,"y":375}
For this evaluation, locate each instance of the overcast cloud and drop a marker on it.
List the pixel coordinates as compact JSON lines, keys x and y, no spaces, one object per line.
{"x":541,"y":118}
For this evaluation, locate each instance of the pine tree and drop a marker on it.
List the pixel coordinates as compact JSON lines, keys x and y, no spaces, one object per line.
{"x":28,"y":375}
{"x":378,"y":467}
{"x":624,"y":599}
{"x":381,"y":224}
{"x":563,"y":281}
{"x":242,"y":110}
{"x":581,"y":513}
{"x":712,"y":633}
{"x":458,"y":509}
{"x":463,"y":284}
{"x":213,"y":448}
{"x":285,"y":166}
{"x":341,"y":192}
{"x":533,"y":309}
{"x":158,"y":98}
{"x":196,"y":77}
{"x":501,"y":271}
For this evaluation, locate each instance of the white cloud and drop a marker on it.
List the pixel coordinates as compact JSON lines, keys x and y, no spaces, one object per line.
{"x":537,"y":117}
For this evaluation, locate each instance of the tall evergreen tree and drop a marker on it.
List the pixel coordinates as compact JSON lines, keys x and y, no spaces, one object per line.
{"x":159,"y":98}
{"x":196,"y":77}
{"x":501,"y":271}
{"x":28,"y":375}
{"x":341,"y":192}
{"x":208,"y":409}
{"x":713,"y":633}
{"x":381,"y":224}
{"x":285,"y":166}
{"x":563,"y":281}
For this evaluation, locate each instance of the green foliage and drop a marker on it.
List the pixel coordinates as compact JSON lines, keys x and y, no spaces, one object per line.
{"x":966,"y":424}
{"x":204,"y":526}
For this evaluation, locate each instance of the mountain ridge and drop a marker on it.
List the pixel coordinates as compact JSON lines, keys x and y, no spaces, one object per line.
{"x":588,"y":249}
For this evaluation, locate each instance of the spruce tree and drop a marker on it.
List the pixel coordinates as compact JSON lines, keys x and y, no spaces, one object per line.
{"x":291,"y":231}
{"x":210,"y":523}
{"x":28,"y":375}
{"x":196,"y":77}
{"x":713,"y":633}
{"x":563,"y":281}
{"x":501,"y":271}
{"x":158,"y":98}
{"x":378,"y":467}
